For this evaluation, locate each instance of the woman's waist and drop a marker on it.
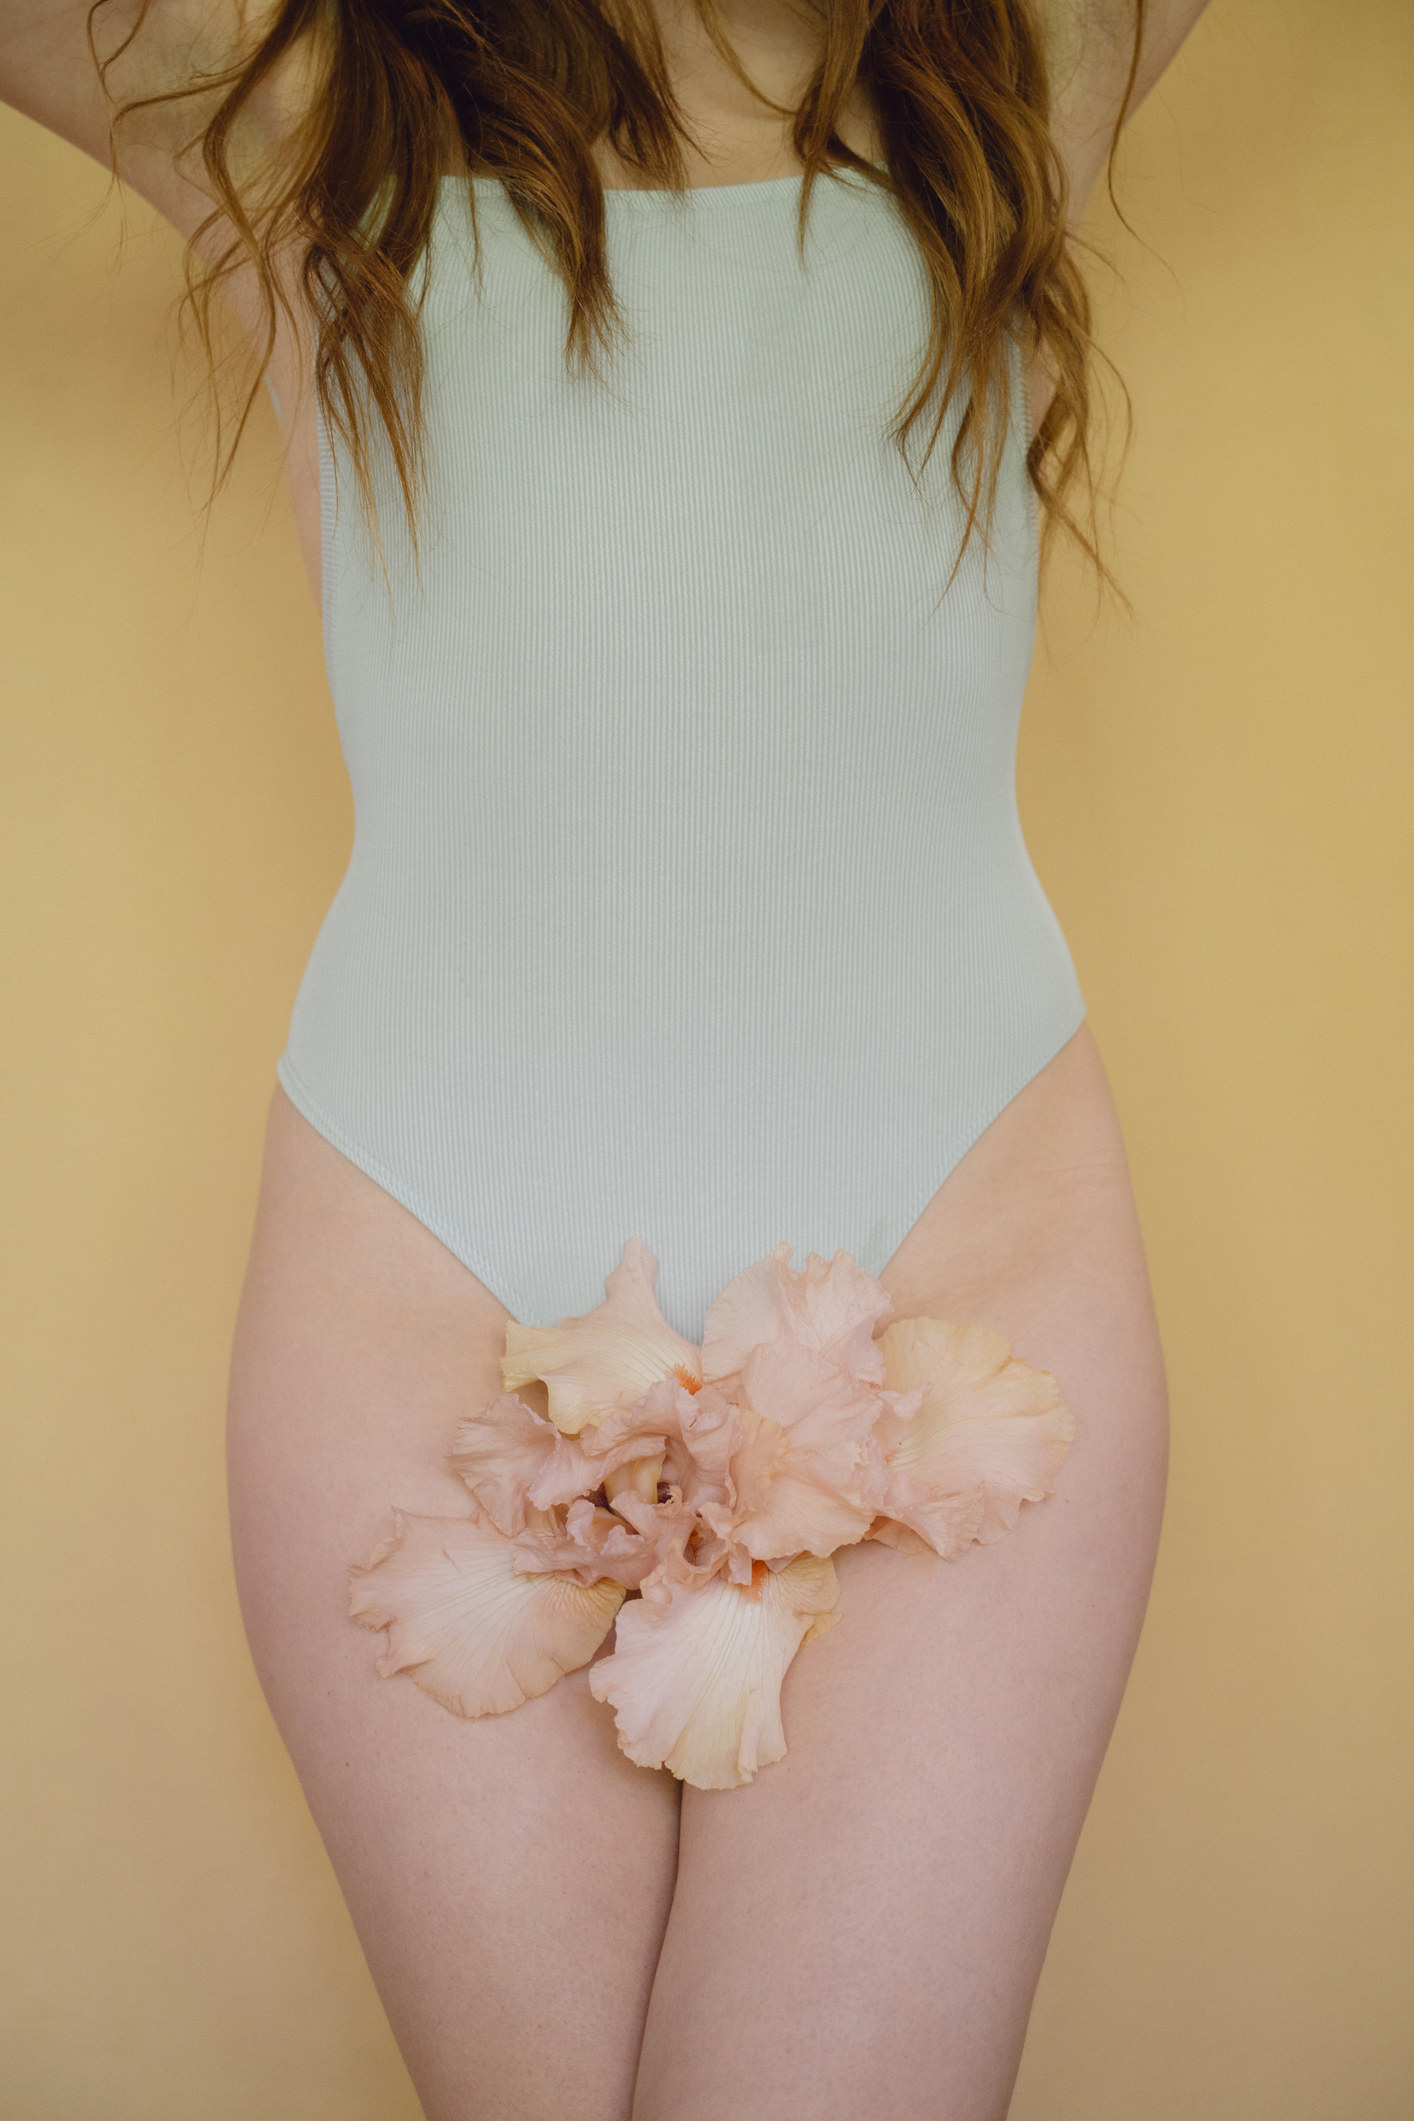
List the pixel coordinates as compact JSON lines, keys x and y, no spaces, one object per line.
{"x":768,"y":1036}
{"x":625,"y":944}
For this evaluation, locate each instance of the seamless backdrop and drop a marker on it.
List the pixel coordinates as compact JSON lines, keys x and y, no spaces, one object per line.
{"x":1219,"y":797}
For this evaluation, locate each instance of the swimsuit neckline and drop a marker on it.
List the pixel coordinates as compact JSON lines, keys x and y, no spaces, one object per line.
{"x":758,"y":190}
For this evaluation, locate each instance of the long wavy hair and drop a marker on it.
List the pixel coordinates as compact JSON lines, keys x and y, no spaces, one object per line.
{"x":398,"y":93}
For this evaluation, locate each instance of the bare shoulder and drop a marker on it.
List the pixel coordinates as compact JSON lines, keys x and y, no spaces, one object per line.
{"x":52,"y":57}
{"x":1090,"y":48}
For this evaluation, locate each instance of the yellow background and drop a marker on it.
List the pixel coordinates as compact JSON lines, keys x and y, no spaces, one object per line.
{"x":1218,"y":797}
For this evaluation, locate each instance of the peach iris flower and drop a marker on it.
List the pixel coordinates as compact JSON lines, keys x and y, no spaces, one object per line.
{"x":691,"y":1498}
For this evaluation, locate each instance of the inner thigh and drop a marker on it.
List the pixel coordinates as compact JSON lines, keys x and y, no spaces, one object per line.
{"x":509,"y":1878}
{"x":861,"y":1929}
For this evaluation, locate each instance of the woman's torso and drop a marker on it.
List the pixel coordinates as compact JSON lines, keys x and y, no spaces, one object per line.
{"x":688,"y":898}
{"x":1049,"y":1159}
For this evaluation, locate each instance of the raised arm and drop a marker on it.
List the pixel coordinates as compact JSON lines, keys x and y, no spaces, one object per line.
{"x":48,"y":70}
{"x":1098,"y":81}
{"x":1094,"y":78}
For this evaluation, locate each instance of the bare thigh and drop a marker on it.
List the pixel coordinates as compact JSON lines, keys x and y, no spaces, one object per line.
{"x":509,"y":1878}
{"x":860,"y":1931}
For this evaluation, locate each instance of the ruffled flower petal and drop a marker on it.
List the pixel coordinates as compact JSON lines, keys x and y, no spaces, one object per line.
{"x":828,"y":1307}
{"x":695,"y":1675}
{"x":799,"y":1471}
{"x":824,"y":1406}
{"x":695,"y":1433}
{"x":572,"y":1470}
{"x":499,"y":1453}
{"x":899,"y":1536}
{"x":608,"y":1358}
{"x":668,"y":1435}
{"x":588,"y":1542}
{"x":472,"y":1630}
{"x":667,"y":1527}
{"x":990,"y":1433}
{"x":788,"y":1504}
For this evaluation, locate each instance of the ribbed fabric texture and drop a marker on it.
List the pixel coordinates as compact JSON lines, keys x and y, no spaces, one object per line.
{"x":688,"y":898}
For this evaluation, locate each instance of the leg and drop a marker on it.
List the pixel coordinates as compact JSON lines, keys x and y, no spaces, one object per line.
{"x":860,"y":1930}
{"x":509,"y":1878}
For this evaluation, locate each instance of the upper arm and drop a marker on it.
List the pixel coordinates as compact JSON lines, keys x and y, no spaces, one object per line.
{"x":1090,"y":46}
{"x":49,"y":72}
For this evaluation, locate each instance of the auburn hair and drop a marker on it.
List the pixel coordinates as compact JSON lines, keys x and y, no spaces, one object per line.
{"x":403,"y":92}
